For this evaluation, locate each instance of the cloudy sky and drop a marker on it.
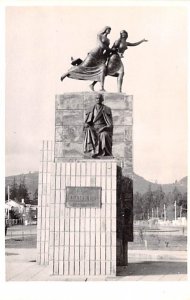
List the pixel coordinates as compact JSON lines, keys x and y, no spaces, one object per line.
{"x":39,"y":44}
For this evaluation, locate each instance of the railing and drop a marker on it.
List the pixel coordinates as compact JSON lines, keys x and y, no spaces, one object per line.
{"x":11,"y":222}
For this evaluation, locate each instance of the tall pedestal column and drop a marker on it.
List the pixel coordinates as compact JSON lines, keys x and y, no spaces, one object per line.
{"x":85,"y":240}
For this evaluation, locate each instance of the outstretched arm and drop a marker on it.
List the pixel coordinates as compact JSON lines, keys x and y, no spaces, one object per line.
{"x":137,"y":43}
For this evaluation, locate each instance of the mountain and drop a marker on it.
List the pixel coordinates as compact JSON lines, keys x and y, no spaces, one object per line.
{"x":31,"y":181}
{"x":140,"y":184}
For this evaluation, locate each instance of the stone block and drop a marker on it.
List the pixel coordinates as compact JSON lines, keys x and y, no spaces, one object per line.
{"x":69,"y":134}
{"x":128,"y":148}
{"x":122,"y":117}
{"x":129,"y":102}
{"x":128,"y":120}
{"x":89,"y":100}
{"x":114,"y":96}
{"x":74,"y":150}
{"x":118,"y":150}
{"x":118,"y":134}
{"x":65,"y":117}
{"x":128,"y":133}
{"x":118,"y":117}
{"x":69,"y":101}
{"x":115,"y":103}
{"x":70,"y":116}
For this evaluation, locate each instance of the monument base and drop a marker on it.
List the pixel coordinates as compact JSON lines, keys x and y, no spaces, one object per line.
{"x":85,"y":218}
{"x":78,"y":234}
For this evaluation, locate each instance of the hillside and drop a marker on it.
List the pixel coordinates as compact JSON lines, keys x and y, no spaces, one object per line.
{"x":31,"y":181}
{"x":140,"y":184}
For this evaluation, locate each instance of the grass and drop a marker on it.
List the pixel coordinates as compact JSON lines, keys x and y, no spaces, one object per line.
{"x":25,"y":237}
{"x":159,"y":238}
{"x":159,"y":242}
{"x":20,"y":236}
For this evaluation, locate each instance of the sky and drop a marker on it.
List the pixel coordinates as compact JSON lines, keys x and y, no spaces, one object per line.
{"x":39,"y":44}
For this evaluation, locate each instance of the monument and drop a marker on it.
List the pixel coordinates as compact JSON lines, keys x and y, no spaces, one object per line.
{"x":85,"y":218}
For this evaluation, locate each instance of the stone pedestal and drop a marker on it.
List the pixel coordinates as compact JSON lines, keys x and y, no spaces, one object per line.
{"x":85,"y":241}
{"x":70,"y":110}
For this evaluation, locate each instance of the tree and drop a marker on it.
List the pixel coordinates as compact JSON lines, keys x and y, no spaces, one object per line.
{"x":35,"y":195}
{"x":6,"y":194}
{"x":177,"y":196}
{"x":138,"y":206}
{"x":14,"y":190}
{"x":174,"y":196}
{"x":14,"y":213}
{"x":22,"y":191}
{"x":183,"y":204}
{"x":158,"y":199}
{"x":147,"y":200}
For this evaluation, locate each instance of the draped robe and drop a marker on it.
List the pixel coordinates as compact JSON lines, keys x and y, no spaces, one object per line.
{"x":99,"y":131}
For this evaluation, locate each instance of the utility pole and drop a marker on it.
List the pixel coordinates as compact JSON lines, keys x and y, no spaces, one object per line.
{"x":175,"y":209}
{"x":164,"y":212}
{"x":8,"y":190}
{"x":180,"y":211}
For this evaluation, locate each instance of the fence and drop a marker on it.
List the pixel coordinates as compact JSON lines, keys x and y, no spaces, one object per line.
{"x":11,"y":222}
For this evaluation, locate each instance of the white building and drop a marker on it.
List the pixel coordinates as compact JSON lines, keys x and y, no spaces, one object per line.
{"x":12,"y":203}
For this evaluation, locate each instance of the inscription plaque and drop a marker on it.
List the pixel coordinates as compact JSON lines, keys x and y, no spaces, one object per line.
{"x":83,"y":197}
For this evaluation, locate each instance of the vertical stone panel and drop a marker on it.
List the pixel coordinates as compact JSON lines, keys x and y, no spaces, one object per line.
{"x":81,"y":239}
{"x":43,"y":233}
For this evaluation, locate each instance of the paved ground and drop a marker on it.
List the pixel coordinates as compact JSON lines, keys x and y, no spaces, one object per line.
{"x":144,"y":265}
{"x":150,"y":265}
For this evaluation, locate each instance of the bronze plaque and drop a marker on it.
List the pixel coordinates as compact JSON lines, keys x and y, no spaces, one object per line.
{"x":83,"y":196}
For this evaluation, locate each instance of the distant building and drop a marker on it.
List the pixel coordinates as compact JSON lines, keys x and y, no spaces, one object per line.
{"x":15,"y":204}
{"x":27,"y":210}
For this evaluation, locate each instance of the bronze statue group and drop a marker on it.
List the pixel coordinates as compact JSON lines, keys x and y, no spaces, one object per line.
{"x":102,"y":60}
{"x":99,"y":63}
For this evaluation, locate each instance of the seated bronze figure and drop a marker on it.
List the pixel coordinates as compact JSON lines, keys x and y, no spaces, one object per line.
{"x":98,"y":129}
